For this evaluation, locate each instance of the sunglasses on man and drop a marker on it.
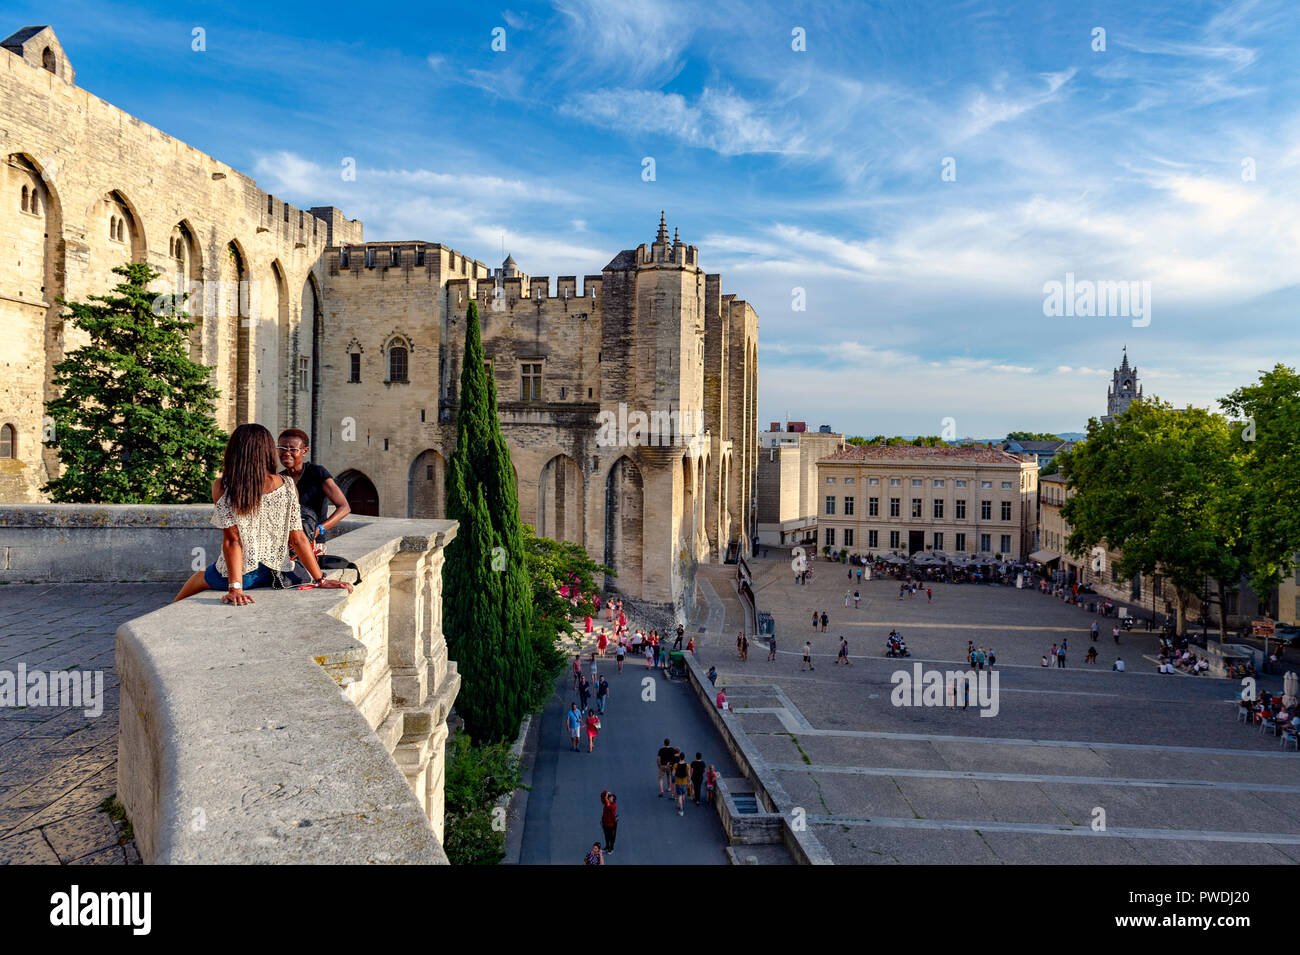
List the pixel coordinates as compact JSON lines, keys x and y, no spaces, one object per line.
{"x":291,"y":450}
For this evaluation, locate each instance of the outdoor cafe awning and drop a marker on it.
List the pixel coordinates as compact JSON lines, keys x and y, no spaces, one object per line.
{"x":1044,"y":556}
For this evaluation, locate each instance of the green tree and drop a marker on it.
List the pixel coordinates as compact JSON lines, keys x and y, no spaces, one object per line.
{"x":476,"y":776}
{"x":1164,"y":487}
{"x":1032,"y":436}
{"x":133,"y":418}
{"x":554,"y":564}
{"x":1270,"y":436}
{"x":488,"y":610}
{"x":1052,"y":466}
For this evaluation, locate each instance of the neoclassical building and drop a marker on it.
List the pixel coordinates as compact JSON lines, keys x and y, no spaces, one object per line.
{"x":359,"y":343}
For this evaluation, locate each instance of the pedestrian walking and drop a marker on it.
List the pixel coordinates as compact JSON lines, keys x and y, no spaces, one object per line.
{"x":664,"y":761}
{"x":992,"y":658}
{"x":744,"y":648}
{"x":682,"y":774}
{"x":825,"y":619}
{"x":602,"y":694}
{"x":807,"y":657}
{"x":577,"y":671}
{"x":619,"y":653}
{"x":710,"y":783}
{"x":740,"y":639}
{"x":698,"y":768}
{"x":713,"y":676}
{"x":929,"y":595}
{"x":1114,"y":632}
{"x":602,"y":642}
{"x":609,"y":818}
{"x":594,"y":673}
{"x":771,"y":648}
{"x":593,"y":729}
{"x":843,"y":658}
{"x":1096,"y":629}
{"x":857,"y":595}
{"x":584,"y":691}
{"x":814,"y":621}
{"x":574,"y":719}
{"x":1060,"y":657}
{"x":649,"y":657}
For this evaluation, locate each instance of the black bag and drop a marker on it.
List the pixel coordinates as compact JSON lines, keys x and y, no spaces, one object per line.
{"x":298,"y":576}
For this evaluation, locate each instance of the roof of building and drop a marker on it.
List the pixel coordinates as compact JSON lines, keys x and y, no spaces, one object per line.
{"x":1040,"y":446}
{"x":886,"y":453}
{"x":625,"y":261}
{"x":1056,"y":477}
{"x":22,"y":36}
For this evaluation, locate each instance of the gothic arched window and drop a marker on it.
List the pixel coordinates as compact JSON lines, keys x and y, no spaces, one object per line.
{"x":397,"y":363}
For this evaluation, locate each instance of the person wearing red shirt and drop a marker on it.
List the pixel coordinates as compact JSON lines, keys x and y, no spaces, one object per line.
{"x":609,"y":818}
{"x":593,"y":729}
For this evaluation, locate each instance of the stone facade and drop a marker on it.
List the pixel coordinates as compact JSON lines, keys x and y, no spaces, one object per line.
{"x":359,"y":344}
{"x":960,"y":500}
{"x":787,"y":482}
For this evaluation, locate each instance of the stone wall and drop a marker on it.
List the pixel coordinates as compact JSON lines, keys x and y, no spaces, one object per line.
{"x":110,"y":189}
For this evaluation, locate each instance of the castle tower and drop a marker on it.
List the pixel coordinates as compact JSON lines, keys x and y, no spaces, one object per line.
{"x":1124,"y":389}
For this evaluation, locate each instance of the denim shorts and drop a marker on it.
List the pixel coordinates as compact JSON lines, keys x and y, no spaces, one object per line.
{"x":259,"y":577}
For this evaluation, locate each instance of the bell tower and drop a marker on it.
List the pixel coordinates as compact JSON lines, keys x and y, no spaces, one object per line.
{"x":1124,"y":389}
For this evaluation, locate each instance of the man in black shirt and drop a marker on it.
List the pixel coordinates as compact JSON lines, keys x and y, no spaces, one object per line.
{"x":316,"y":487}
{"x":667,"y":759}
{"x":697,"y":776}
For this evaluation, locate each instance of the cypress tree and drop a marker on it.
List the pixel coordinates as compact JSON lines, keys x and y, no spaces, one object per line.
{"x":487,"y":602}
{"x":133,"y":421}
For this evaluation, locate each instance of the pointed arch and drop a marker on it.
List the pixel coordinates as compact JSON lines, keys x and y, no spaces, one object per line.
{"x":313,"y":316}
{"x":624,"y":526}
{"x":426,"y":491}
{"x":235,"y":306}
{"x":360,"y":491}
{"x":561,"y":500}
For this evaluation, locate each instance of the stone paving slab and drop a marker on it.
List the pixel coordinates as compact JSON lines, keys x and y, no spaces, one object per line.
{"x":57,"y":764}
{"x":1162,"y":756}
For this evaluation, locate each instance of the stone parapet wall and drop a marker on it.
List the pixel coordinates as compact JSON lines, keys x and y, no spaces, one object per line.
{"x":309,"y":726}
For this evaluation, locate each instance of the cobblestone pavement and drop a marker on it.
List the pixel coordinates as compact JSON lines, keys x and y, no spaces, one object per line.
{"x":1079,"y":765}
{"x":56,"y":763}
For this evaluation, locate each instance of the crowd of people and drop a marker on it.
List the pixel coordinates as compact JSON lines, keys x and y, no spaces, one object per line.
{"x":1270,"y":712}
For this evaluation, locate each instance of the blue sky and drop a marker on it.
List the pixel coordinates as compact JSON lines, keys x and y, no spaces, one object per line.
{"x":818,"y":169}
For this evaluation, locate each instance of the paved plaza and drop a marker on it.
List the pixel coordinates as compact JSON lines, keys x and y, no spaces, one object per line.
{"x":1160,"y":760}
{"x":56,"y":763}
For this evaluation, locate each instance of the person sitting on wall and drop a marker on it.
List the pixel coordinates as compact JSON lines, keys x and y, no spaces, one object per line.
{"x":316,"y":487}
{"x":260,"y":518}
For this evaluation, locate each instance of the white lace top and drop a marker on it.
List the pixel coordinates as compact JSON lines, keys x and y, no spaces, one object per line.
{"x":264,"y":532}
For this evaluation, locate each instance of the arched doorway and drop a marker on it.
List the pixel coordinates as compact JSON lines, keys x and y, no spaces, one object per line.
{"x":360,"y":491}
{"x":425,"y":486}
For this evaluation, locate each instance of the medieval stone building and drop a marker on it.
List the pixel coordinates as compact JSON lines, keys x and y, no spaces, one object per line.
{"x":629,"y":402}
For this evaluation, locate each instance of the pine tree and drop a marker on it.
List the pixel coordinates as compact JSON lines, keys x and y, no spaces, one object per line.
{"x":133,"y":420}
{"x":487,"y":601}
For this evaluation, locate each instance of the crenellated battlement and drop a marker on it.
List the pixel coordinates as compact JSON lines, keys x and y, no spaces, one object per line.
{"x":435,"y":260}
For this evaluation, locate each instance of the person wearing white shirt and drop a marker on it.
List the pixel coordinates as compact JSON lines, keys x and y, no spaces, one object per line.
{"x":1118,"y":666}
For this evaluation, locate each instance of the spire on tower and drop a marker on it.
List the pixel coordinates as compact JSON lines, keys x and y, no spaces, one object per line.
{"x":662,"y":236}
